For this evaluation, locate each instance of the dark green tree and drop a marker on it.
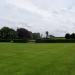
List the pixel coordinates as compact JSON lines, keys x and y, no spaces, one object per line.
{"x":7,"y":33}
{"x":47,"y":34}
{"x":24,"y":33}
{"x":67,"y":36}
{"x":36,"y":36}
{"x":72,"y":36}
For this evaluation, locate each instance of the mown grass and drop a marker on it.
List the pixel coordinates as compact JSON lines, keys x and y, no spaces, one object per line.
{"x":37,"y":59}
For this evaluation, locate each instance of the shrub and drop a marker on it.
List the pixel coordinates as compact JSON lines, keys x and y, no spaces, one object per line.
{"x":55,"y":41}
{"x":20,"y":41}
{"x":4,"y":40}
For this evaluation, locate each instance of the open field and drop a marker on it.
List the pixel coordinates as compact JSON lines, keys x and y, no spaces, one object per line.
{"x":37,"y":59}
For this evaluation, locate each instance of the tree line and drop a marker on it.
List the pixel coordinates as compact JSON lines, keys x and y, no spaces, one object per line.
{"x":20,"y":33}
{"x":70,"y":36}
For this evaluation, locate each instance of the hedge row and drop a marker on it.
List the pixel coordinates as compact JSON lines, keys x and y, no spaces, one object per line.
{"x":55,"y":41}
{"x":20,"y":41}
{"x":14,"y":41}
{"x":40,"y":41}
{"x":3,"y":40}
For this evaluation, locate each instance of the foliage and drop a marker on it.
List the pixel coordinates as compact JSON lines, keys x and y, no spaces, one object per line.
{"x":47,"y":34}
{"x":7,"y":33}
{"x":23,"y":33}
{"x":67,"y":36}
{"x":5,"y":40}
{"x":72,"y":36}
{"x":55,"y":41}
{"x":20,"y":41}
{"x":36,"y":35}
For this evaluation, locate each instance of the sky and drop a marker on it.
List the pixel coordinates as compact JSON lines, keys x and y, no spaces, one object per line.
{"x":55,"y":16}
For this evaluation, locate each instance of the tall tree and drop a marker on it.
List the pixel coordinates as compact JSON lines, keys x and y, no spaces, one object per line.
{"x":72,"y":36}
{"x":24,"y":33}
{"x":67,"y":36}
{"x":7,"y":33}
{"x":47,"y":34}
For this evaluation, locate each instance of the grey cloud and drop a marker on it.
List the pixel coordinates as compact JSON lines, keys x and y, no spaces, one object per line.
{"x":56,"y":16}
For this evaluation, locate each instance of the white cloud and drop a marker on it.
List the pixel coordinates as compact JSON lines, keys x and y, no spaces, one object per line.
{"x":56,"y":16}
{"x":29,"y":6}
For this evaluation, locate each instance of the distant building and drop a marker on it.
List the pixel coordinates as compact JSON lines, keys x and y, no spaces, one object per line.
{"x":51,"y":36}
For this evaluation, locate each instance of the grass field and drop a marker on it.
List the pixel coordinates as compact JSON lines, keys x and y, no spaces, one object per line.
{"x":37,"y":59}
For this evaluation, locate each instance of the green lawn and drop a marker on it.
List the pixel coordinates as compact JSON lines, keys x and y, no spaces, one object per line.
{"x":37,"y":59}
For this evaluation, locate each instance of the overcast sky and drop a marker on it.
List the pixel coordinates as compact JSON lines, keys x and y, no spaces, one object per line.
{"x":55,"y":16}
